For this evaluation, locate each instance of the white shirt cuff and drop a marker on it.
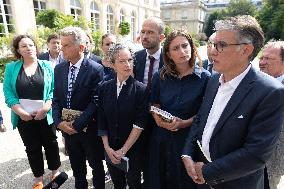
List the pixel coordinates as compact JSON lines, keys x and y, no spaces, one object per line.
{"x":135,"y":126}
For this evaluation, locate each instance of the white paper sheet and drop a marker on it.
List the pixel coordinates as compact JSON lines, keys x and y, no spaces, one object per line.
{"x":31,"y":105}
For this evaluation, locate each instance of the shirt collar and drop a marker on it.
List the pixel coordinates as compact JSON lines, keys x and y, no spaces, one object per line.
{"x":78,"y":64}
{"x":120,"y":84}
{"x":280,"y":78}
{"x":156,"y":55}
{"x":237,"y":80}
{"x":197,"y":70}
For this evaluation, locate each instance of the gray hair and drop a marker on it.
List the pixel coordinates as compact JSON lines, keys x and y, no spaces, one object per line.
{"x":249,"y":31}
{"x":158,"y":21}
{"x":277,"y":45}
{"x":78,"y":34}
{"x":114,"y":50}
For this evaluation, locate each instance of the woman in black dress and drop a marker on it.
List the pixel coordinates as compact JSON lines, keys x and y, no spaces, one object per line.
{"x":178,"y":89}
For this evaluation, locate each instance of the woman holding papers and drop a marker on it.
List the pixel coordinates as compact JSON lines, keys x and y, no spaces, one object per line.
{"x":177,"y":89}
{"x":28,"y":89}
{"x":123,"y":107}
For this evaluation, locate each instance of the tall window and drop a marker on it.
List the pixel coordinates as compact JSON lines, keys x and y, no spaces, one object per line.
{"x":6,"y":25}
{"x":75,"y":8}
{"x":110,"y":20}
{"x":122,"y":15}
{"x":39,"y":5}
{"x":95,"y":15}
{"x":133,"y":28}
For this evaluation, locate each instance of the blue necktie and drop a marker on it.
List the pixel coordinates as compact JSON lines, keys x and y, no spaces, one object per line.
{"x":70,"y":86}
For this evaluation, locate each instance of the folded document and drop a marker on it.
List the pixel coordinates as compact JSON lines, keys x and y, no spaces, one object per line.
{"x":31,"y":106}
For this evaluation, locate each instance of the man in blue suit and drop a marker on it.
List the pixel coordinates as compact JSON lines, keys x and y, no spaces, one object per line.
{"x":207,"y":63}
{"x":54,"y":50}
{"x":75,"y":88}
{"x":151,"y":35}
{"x":241,"y":115}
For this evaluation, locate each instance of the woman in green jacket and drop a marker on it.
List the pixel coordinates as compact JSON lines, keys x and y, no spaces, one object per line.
{"x":28,"y":90}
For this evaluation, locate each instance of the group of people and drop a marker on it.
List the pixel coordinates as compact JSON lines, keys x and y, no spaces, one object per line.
{"x":226,"y":122}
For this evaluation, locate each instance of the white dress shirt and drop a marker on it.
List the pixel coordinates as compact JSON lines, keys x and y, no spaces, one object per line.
{"x":119,"y":86}
{"x":77,"y":69}
{"x":225,"y":92}
{"x":281,"y":79}
{"x":147,"y":65}
{"x":54,"y":61}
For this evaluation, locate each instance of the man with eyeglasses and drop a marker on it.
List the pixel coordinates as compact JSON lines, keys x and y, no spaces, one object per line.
{"x":272,"y":63}
{"x":240,"y":119}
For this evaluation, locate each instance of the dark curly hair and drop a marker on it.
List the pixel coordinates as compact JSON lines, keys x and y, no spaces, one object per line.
{"x":169,"y":68}
{"x":15,"y":44}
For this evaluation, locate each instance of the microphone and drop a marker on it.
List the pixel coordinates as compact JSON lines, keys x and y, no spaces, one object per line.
{"x":57,"y":181}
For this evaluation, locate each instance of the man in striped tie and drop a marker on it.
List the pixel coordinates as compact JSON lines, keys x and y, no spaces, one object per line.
{"x":76,"y":82}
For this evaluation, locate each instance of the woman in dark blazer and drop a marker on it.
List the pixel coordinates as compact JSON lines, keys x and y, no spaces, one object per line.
{"x":123,"y":103}
{"x":32,"y":80}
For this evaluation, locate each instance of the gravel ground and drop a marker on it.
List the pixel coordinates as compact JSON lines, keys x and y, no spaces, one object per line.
{"x":15,"y":172}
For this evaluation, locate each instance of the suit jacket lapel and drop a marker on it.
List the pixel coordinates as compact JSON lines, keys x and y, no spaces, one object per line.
{"x":81,"y":74}
{"x":237,"y":97}
{"x":161,"y":63}
{"x":65,"y":77}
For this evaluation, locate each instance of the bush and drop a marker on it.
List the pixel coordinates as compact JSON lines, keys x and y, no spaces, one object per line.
{"x":3,"y":62}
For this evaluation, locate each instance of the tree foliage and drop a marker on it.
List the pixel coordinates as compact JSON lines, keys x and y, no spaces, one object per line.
{"x":212,"y":18}
{"x":56,"y":20}
{"x":124,"y":28}
{"x":240,"y":7}
{"x":271,"y":20}
{"x":235,"y":7}
{"x":168,"y":30}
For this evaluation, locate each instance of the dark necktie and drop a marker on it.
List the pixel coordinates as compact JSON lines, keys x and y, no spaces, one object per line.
{"x":70,"y":86}
{"x":150,"y":72}
{"x":209,"y":68}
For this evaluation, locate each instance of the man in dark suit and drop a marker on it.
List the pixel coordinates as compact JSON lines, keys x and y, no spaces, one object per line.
{"x":207,"y":63}
{"x":88,"y":50}
{"x":75,"y":88}
{"x":151,"y":35}
{"x":54,"y":49}
{"x":241,"y":115}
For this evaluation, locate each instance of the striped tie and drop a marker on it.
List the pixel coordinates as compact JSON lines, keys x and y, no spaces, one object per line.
{"x":70,"y":86}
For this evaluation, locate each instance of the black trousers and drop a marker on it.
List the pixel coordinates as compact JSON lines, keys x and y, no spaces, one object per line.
{"x":81,"y":147}
{"x":132,"y":177}
{"x":35,"y":134}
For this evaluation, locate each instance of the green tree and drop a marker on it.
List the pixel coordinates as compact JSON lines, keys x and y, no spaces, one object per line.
{"x":241,"y":7}
{"x":168,"y":30}
{"x":52,"y":19}
{"x":97,"y":40}
{"x":209,"y":23}
{"x":271,"y":17}
{"x":124,"y":28}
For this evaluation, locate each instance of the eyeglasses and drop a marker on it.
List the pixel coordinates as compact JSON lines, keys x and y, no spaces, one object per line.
{"x":219,"y":46}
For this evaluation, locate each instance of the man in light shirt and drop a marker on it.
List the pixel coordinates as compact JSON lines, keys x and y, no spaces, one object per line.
{"x":272,"y":60}
{"x":272,"y":63}
{"x":241,"y":115}
{"x":54,"y":50}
